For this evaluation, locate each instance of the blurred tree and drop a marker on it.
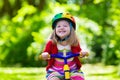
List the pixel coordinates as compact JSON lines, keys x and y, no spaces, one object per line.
{"x":10,"y":7}
{"x":6,"y":8}
{"x":24,"y":22}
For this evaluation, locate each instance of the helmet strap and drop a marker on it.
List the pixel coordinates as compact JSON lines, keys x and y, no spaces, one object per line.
{"x":64,"y":39}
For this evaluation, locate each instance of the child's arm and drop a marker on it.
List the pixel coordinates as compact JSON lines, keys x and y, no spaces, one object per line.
{"x":45,"y":54}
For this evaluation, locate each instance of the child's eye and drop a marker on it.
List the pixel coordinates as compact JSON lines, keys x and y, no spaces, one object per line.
{"x":65,"y":25}
{"x":58,"y":26}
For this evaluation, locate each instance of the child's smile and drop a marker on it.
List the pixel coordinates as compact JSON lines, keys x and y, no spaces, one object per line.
{"x":62,"y":32}
{"x":62,"y":29}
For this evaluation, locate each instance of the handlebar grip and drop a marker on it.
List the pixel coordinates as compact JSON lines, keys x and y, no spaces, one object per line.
{"x":82,"y":55}
{"x":49,"y":56}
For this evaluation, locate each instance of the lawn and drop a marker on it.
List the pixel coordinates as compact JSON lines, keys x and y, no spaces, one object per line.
{"x":92,"y":72}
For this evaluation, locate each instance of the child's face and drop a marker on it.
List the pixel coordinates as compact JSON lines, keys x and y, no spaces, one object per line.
{"x":62,"y":29}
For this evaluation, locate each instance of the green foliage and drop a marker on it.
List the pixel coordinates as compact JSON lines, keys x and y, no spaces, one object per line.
{"x":112,"y":49}
{"x":25,"y":28}
{"x":16,"y":37}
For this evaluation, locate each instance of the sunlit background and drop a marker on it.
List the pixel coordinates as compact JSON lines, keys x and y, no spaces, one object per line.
{"x":25,"y":26}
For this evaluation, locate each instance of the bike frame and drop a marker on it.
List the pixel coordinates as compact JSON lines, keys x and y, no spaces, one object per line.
{"x":66,"y":67}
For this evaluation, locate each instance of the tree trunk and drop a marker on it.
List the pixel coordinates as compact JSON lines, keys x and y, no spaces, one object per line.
{"x":6,"y":9}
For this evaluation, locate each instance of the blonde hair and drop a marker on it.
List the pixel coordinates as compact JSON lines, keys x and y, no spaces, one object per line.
{"x":72,"y":40}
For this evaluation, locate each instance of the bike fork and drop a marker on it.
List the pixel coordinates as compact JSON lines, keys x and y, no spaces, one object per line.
{"x":66,"y":72}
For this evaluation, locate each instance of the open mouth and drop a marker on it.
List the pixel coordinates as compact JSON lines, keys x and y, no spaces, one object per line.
{"x":62,"y":31}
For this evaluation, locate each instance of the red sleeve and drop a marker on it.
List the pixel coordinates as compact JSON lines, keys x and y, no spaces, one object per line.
{"x":48,"y":47}
{"x":76,"y":49}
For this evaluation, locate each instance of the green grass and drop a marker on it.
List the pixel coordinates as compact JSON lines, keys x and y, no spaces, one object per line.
{"x":92,"y":72}
{"x":100,"y":72}
{"x":22,"y":73}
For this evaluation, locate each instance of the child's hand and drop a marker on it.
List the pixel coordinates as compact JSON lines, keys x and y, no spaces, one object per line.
{"x":45,"y":56}
{"x":83,"y":54}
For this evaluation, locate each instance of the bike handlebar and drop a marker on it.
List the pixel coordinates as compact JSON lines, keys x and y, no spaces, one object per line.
{"x":64,"y":57}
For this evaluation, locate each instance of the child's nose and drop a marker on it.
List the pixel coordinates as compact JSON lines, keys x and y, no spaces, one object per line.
{"x":62,"y":27}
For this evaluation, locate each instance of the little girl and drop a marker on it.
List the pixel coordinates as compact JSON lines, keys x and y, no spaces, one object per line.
{"x":63,"y":37}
